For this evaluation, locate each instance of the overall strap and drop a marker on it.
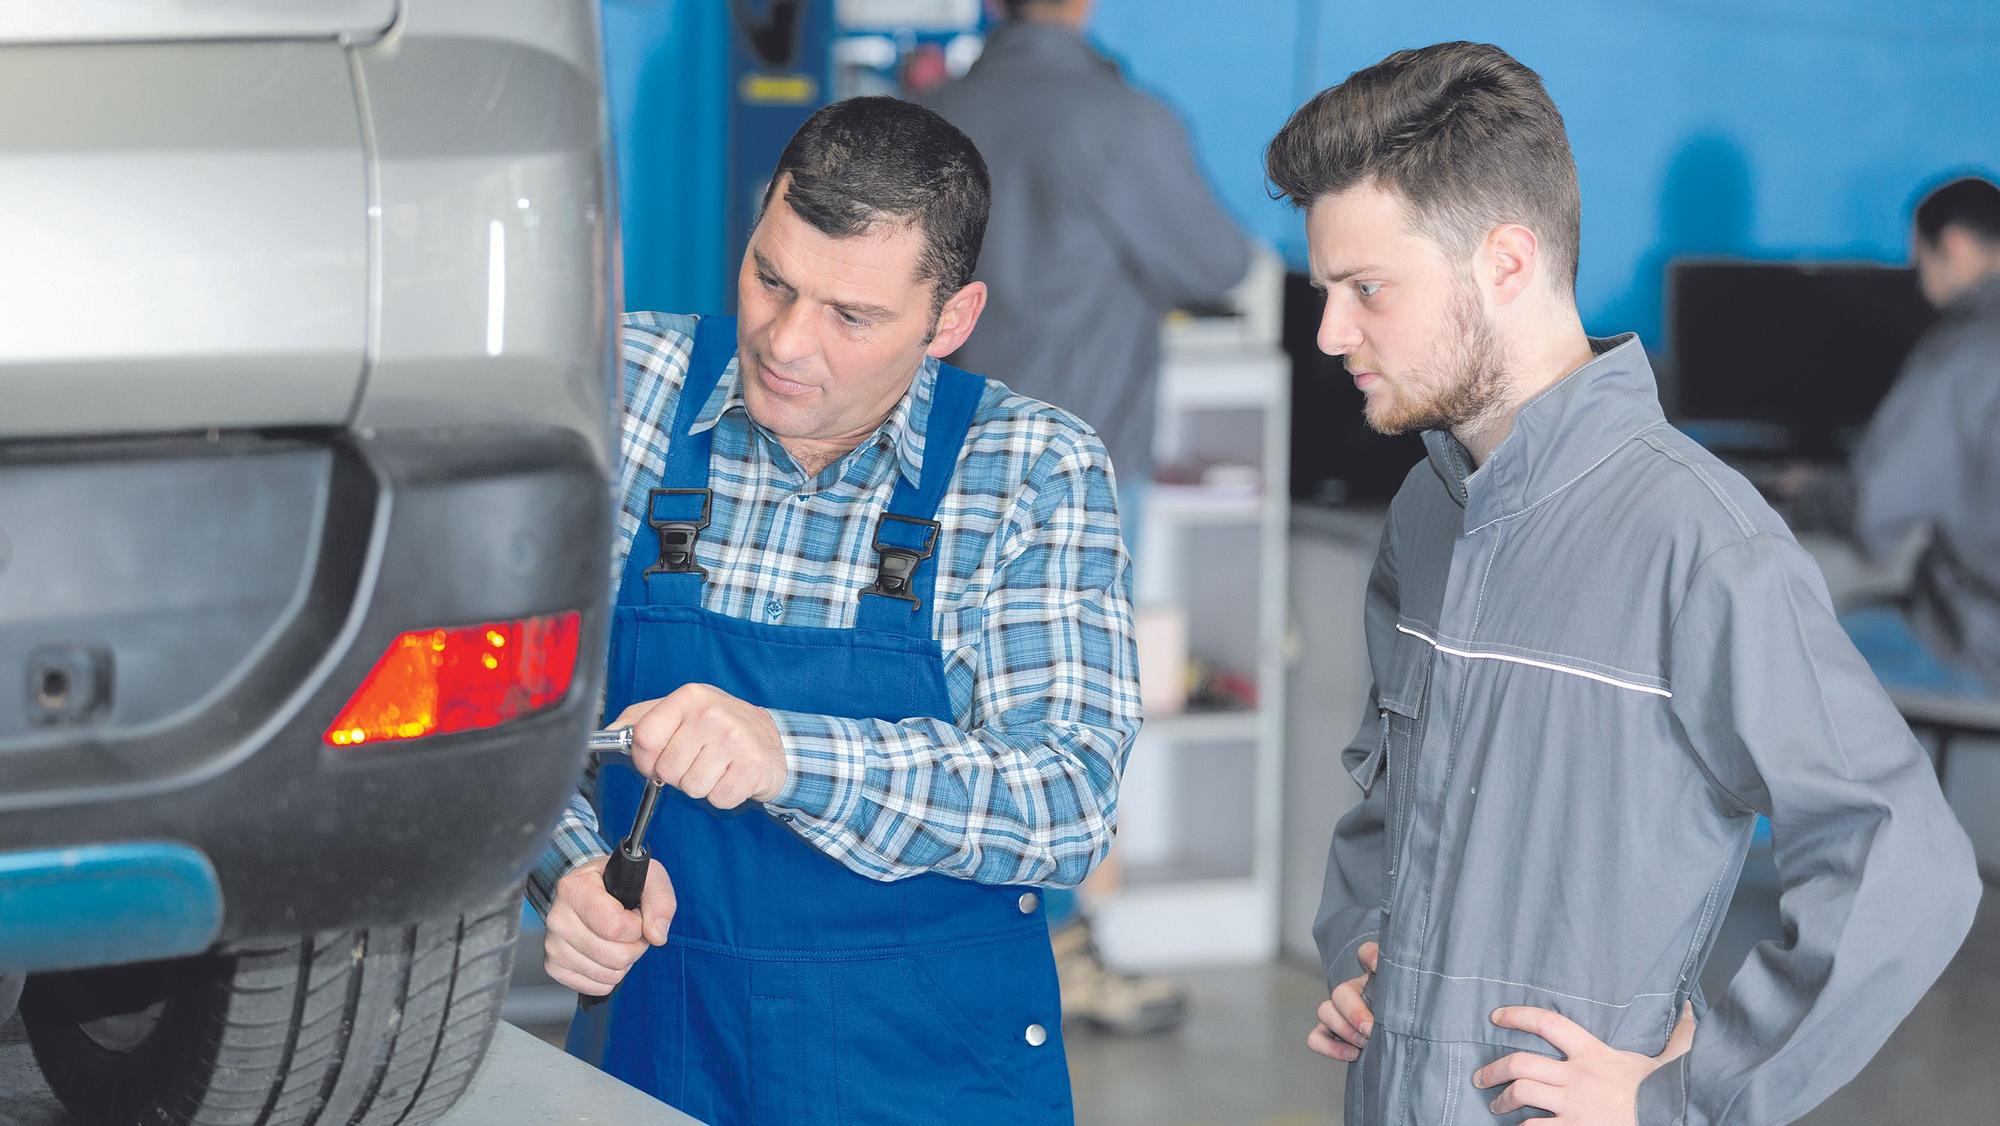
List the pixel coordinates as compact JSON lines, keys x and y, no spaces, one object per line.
{"x":679,"y":508}
{"x":899,"y":601}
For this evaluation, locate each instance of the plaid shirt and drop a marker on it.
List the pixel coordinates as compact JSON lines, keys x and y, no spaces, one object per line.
{"x":1032,"y":611}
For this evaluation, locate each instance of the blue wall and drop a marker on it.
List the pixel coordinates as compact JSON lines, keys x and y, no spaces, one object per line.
{"x":667,"y":80}
{"x":1765,"y":128}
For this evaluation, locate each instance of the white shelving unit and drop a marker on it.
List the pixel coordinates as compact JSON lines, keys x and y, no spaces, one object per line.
{"x":1202,"y":796}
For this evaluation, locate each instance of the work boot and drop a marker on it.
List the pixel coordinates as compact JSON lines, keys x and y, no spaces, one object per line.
{"x":1124,"y":1004}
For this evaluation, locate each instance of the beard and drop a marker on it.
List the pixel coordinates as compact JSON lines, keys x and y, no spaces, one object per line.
{"x":1465,"y":383}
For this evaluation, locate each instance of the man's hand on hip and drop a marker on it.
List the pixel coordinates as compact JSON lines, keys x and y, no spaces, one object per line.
{"x":1593,"y":1085}
{"x":708,"y":745}
{"x":1344,"y":1020}
{"x":591,"y":940}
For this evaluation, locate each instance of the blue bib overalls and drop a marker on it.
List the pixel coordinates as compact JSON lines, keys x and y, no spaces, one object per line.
{"x":793,"y":990}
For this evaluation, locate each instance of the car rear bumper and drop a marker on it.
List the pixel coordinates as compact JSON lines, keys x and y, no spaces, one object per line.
{"x":223,"y":598}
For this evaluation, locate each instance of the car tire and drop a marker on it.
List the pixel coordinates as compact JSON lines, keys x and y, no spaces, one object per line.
{"x":382,"y":1026}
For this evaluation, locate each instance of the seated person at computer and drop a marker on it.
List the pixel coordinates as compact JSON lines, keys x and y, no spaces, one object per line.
{"x":1931,"y":459}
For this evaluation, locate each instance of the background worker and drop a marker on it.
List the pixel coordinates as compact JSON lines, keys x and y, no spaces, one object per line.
{"x":1102,"y":222}
{"x":1931,"y":461}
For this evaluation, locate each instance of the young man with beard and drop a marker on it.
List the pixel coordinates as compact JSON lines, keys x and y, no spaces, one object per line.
{"x":1598,"y":656}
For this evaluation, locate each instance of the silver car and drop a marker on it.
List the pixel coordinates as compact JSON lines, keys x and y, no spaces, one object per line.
{"x":305,"y":363}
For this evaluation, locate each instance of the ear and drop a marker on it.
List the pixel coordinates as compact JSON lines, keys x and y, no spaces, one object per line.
{"x":1507,"y":262}
{"x":957,"y":319}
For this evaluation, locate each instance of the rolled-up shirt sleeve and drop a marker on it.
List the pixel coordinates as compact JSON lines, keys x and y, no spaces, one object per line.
{"x":1021,"y":785}
{"x":1879,"y":886}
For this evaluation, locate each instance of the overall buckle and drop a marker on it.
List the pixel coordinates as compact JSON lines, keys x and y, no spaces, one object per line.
{"x":677,"y":537}
{"x":897,"y":563}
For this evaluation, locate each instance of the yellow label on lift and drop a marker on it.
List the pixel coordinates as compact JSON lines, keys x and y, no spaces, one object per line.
{"x":779,"y":89}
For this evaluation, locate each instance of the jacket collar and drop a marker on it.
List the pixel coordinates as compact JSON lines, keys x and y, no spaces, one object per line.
{"x":1558,"y":436}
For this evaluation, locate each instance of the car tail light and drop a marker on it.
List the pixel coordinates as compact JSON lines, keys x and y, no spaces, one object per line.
{"x":437,"y":681}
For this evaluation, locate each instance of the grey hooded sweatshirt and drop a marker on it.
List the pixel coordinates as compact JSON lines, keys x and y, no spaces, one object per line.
{"x":1596,"y":659}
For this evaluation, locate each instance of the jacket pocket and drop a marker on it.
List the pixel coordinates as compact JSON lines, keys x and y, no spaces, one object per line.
{"x":1402,"y":694}
{"x":1401,"y":737}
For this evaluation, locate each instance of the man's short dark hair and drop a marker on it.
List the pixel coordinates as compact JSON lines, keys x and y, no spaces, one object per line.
{"x":1971,"y":202}
{"x":866,"y":161}
{"x":1462,"y":131}
{"x":1016,"y":7}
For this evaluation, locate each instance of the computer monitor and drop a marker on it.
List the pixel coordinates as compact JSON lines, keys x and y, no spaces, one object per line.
{"x":1807,"y":349}
{"x":1336,"y":459}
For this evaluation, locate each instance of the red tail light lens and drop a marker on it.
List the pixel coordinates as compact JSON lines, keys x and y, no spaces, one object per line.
{"x":435,"y":682}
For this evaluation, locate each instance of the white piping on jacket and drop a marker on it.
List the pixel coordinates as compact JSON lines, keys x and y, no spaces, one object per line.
{"x":1585,"y":673}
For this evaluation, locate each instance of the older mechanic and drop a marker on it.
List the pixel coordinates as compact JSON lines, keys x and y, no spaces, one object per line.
{"x":885,"y":603}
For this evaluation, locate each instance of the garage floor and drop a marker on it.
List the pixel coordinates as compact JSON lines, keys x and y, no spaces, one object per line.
{"x":1241,"y":1059}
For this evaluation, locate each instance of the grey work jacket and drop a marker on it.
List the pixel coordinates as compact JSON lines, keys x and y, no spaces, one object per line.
{"x":1596,"y":659}
{"x":1101,"y":222}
